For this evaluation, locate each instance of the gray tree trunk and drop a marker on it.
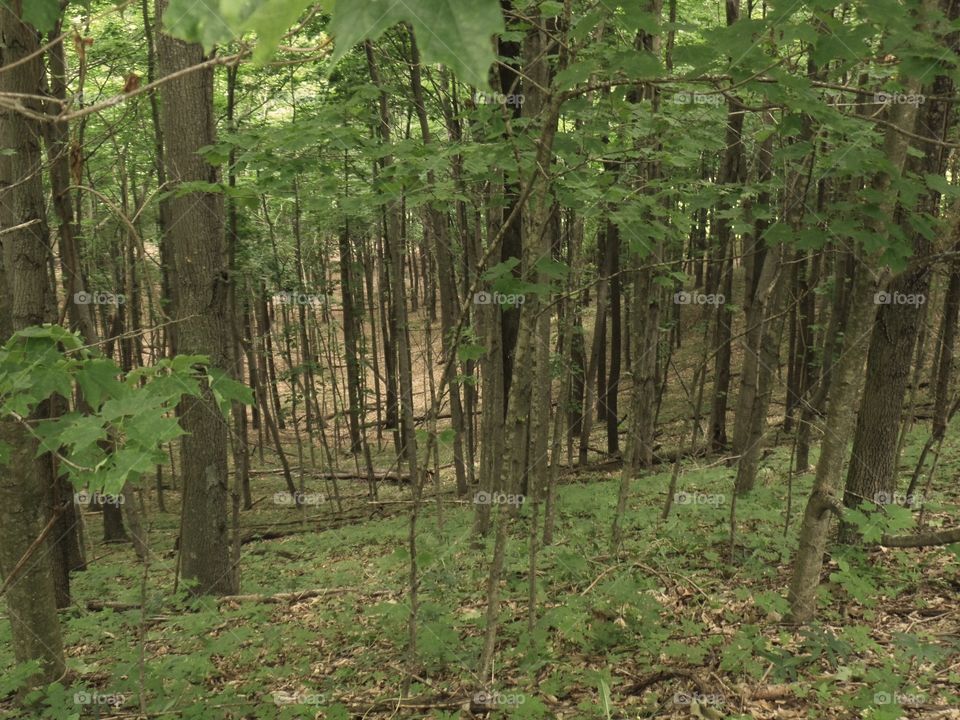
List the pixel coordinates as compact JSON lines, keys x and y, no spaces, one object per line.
{"x":198,"y":249}
{"x":845,"y":385}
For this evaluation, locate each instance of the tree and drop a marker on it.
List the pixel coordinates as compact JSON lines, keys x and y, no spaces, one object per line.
{"x":26,"y":298}
{"x":846,"y":384}
{"x":201,"y":273}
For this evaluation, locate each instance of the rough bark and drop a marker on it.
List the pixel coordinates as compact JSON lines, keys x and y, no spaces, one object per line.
{"x":198,"y":248}
{"x":25,"y":297}
{"x":872,"y":471}
{"x":845,"y":385}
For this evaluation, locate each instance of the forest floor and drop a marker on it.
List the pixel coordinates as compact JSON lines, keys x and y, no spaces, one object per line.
{"x":674,"y":626}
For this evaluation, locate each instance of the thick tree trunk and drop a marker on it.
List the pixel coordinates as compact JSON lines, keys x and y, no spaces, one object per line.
{"x":26,"y":297}
{"x":198,"y":246}
{"x":872,"y":473}
{"x":846,"y":382}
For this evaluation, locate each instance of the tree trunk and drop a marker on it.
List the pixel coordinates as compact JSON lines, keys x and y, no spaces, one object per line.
{"x":25,"y":298}
{"x":846,"y":382}
{"x":732,"y":172}
{"x":198,"y":247}
{"x":844,"y":393}
{"x":449,"y":305}
{"x":872,"y":473}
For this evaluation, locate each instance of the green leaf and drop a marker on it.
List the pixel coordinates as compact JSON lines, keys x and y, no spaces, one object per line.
{"x":150,"y":428}
{"x":271,"y":20}
{"x":940,"y":184}
{"x":5,"y":450}
{"x":551,"y":8}
{"x":552,"y":268}
{"x":470,"y":352}
{"x":42,"y":14}
{"x":215,"y":22}
{"x":169,"y":388}
{"x":574,"y":75}
{"x":82,"y":432}
{"x":47,"y":381}
{"x":98,"y":380}
{"x":207,"y":23}
{"x":130,"y":405}
{"x":501,"y":270}
{"x":455,"y":33}
{"x":54,"y":333}
{"x":228,"y":390}
{"x":127,"y":464}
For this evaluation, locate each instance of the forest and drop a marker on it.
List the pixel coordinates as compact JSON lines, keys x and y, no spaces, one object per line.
{"x":534,"y":359}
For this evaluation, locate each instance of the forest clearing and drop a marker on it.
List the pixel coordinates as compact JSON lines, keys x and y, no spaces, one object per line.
{"x":518,"y":359}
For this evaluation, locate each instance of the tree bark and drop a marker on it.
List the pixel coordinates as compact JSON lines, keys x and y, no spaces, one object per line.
{"x":846,"y":382}
{"x":872,"y":471}
{"x":26,"y":296}
{"x":199,"y":252}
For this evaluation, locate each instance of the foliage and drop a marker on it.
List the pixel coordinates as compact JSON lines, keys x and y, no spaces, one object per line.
{"x":129,"y":418}
{"x":456,"y":34}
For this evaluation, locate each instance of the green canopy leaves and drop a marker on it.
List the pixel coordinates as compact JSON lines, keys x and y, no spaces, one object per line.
{"x":456,"y":34}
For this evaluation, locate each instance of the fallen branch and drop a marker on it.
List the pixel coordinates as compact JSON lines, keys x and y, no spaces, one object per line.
{"x":926,"y":539}
{"x":659,"y":676}
{"x":97,"y":605}
{"x":298,"y":596}
{"x":382,"y":476}
{"x":423,"y":703}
